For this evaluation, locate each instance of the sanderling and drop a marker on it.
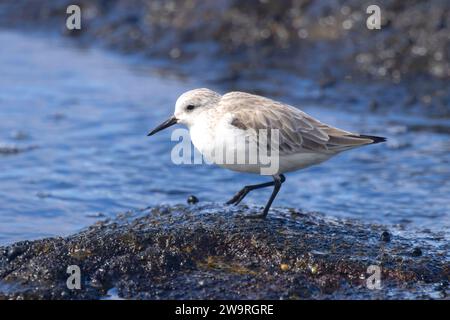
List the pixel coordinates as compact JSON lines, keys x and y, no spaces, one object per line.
{"x":302,"y":140}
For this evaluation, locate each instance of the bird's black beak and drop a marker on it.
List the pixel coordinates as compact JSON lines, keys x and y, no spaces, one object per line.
{"x":169,"y":122}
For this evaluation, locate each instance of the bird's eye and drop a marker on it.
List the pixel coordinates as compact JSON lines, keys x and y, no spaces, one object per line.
{"x":190,"y":107}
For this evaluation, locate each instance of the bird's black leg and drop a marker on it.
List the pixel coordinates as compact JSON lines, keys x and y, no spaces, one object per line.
{"x":277,"y":182}
{"x":238,"y":197}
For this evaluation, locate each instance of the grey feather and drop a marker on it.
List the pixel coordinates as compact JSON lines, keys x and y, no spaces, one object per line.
{"x":299,"y":132}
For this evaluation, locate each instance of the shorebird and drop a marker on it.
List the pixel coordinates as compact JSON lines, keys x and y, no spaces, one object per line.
{"x":303,"y":141}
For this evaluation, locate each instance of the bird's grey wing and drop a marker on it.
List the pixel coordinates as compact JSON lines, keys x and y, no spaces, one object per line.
{"x":298,"y":132}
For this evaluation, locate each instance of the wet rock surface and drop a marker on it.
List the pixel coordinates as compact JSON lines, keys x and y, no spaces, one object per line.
{"x":209,"y":251}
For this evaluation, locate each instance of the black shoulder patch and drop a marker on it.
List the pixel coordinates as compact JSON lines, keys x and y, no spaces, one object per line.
{"x":238,"y":124}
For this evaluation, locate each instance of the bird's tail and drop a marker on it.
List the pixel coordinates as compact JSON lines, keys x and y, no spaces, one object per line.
{"x":374,"y":139}
{"x":344,"y":142}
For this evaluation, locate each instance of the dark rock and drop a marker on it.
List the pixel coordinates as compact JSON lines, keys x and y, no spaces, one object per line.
{"x":192,"y":199}
{"x":385,"y":236}
{"x":15,"y":251}
{"x":417,"y":252}
{"x":206,"y":252}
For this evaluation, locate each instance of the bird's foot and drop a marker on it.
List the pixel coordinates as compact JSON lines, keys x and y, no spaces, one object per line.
{"x":237,"y":198}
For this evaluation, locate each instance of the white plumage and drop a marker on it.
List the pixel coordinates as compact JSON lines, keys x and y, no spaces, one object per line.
{"x":215,"y":121}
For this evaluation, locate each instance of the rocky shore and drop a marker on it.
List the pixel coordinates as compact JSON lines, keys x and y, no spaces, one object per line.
{"x":213,"y":252}
{"x":265,"y":46}
{"x":301,"y":50}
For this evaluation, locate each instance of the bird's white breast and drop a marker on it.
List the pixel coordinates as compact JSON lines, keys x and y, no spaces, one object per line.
{"x":202,"y":133}
{"x":208,"y":133}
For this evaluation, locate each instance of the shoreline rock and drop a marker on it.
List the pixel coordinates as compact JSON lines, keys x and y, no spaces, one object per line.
{"x":264,"y":47}
{"x":212,"y":252}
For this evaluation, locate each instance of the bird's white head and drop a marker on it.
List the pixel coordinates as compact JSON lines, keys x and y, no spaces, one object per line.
{"x":193,"y":103}
{"x":189,"y":106}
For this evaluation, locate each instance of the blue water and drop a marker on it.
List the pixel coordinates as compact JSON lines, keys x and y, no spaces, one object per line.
{"x":73,"y":149}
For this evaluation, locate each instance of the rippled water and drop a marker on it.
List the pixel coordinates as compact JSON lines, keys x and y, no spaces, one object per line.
{"x":73,"y":149}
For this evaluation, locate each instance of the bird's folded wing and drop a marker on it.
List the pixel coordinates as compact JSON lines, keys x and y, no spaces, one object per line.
{"x":298,"y":132}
